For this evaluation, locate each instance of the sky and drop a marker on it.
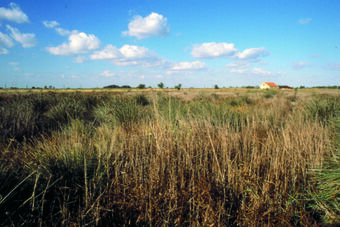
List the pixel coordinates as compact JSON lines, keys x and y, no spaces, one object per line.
{"x":197,"y":43}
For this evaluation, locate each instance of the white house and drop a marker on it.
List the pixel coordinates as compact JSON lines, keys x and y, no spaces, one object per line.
{"x":268,"y":85}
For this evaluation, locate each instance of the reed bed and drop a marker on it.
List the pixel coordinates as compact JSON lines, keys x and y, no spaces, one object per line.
{"x":162,"y":160}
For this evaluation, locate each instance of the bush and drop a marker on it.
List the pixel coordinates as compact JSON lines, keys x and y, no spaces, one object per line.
{"x":160,"y":85}
{"x":270,"y":94}
{"x":178,"y":87}
{"x":112,"y":86}
{"x":141,"y":86}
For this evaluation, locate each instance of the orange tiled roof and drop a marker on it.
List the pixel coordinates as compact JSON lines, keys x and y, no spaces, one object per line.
{"x":271,"y":84}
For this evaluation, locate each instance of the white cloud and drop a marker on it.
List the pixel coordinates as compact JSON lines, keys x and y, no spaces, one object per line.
{"x":187,"y":67}
{"x":304,"y":20}
{"x":143,"y":27}
{"x":131,"y":51}
{"x":219,"y":50}
{"x":128,"y":55}
{"x":107,"y":73}
{"x":50,"y":24}
{"x":5,"y":40}
{"x":252,"y":53}
{"x":79,"y":42}
{"x":213,"y":50}
{"x":238,"y":64}
{"x":254,"y":71}
{"x":109,"y":52}
{"x":300,"y":65}
{"x":59,"y":30}
{"x":79,"y":59}
{"x":63,"y":32}
{"x":14,"y":13}
{"x":26,"y":39}
{"x":3,"y":50}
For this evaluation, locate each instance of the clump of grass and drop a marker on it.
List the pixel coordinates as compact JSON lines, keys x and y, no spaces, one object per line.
{"x":322,"y":108}
{"x":326,"y":196}
{"x":270,"y":94}
{"x":142,"y":100}
{"x":241,"y":100}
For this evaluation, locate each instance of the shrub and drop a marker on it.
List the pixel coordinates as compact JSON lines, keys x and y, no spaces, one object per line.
{"x":270,"y":94}
{"x":161,"y":85}
{"x":178,"y":87}
{"x":141,"y":86}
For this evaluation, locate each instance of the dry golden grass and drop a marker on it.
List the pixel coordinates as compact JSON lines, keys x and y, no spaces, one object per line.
{"x":181,"y":159}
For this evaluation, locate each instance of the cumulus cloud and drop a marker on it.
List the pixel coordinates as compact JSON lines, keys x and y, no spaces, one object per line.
{"x":50,"y":24}
{"x":238,"y":64}
{"x":3,"y":50}
{"x":14,"y":14}
{"x":254,"y":71}
{"x":144,"y":27}
{"x":109,"y":52}
{"x":54,"y":24}
{"x":300,"y":65}
{"x":79,"y":59}
{"x":63,"y":32}
{"x":305,"y":20}
{"x":252,"y":53}
{"x":213,"y":50}
{"x":25,"y":39}
{"x":128,"y":55}
{"x":5,"y":40}
{"x":228,"y":50}
{"x":187,"y":67}
{"x":107,"y":73}
{"x":79,"y":42}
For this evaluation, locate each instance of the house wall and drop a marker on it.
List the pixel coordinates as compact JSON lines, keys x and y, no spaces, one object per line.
{"x":264,"y":86}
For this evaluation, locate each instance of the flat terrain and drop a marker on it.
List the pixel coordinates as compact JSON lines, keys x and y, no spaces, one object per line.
{"x":166,"y":157}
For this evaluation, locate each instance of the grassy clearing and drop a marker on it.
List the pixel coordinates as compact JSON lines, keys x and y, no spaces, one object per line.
{"x":163,"y":158}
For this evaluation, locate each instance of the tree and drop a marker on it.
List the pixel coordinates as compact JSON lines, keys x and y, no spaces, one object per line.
{"x":178,"y":87}
{"x":160,"y":85}
{"x":216,"y":86}
{"x":112,"y":86}
{"x":141,"y":86}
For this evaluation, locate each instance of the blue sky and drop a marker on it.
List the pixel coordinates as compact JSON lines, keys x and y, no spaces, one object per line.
{"x":94,"y":43}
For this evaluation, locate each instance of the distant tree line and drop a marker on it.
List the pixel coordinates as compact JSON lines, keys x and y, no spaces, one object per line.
{"x":117,"y":86}
{"x":141,"y":86}
{"x":329,"y":87}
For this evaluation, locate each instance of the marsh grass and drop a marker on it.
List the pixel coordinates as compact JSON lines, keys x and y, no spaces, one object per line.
{"x":161,"y":160}
{"x":326,"y":196}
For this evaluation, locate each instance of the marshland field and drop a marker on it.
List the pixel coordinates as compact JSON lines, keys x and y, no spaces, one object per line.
{"x":165,"y":157}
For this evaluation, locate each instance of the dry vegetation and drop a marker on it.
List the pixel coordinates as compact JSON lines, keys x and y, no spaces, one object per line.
{"x":167,"y":159}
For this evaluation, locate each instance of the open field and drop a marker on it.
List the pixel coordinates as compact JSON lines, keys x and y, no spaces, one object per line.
{"x":224,"y":91}
{"x":158,"y":157}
